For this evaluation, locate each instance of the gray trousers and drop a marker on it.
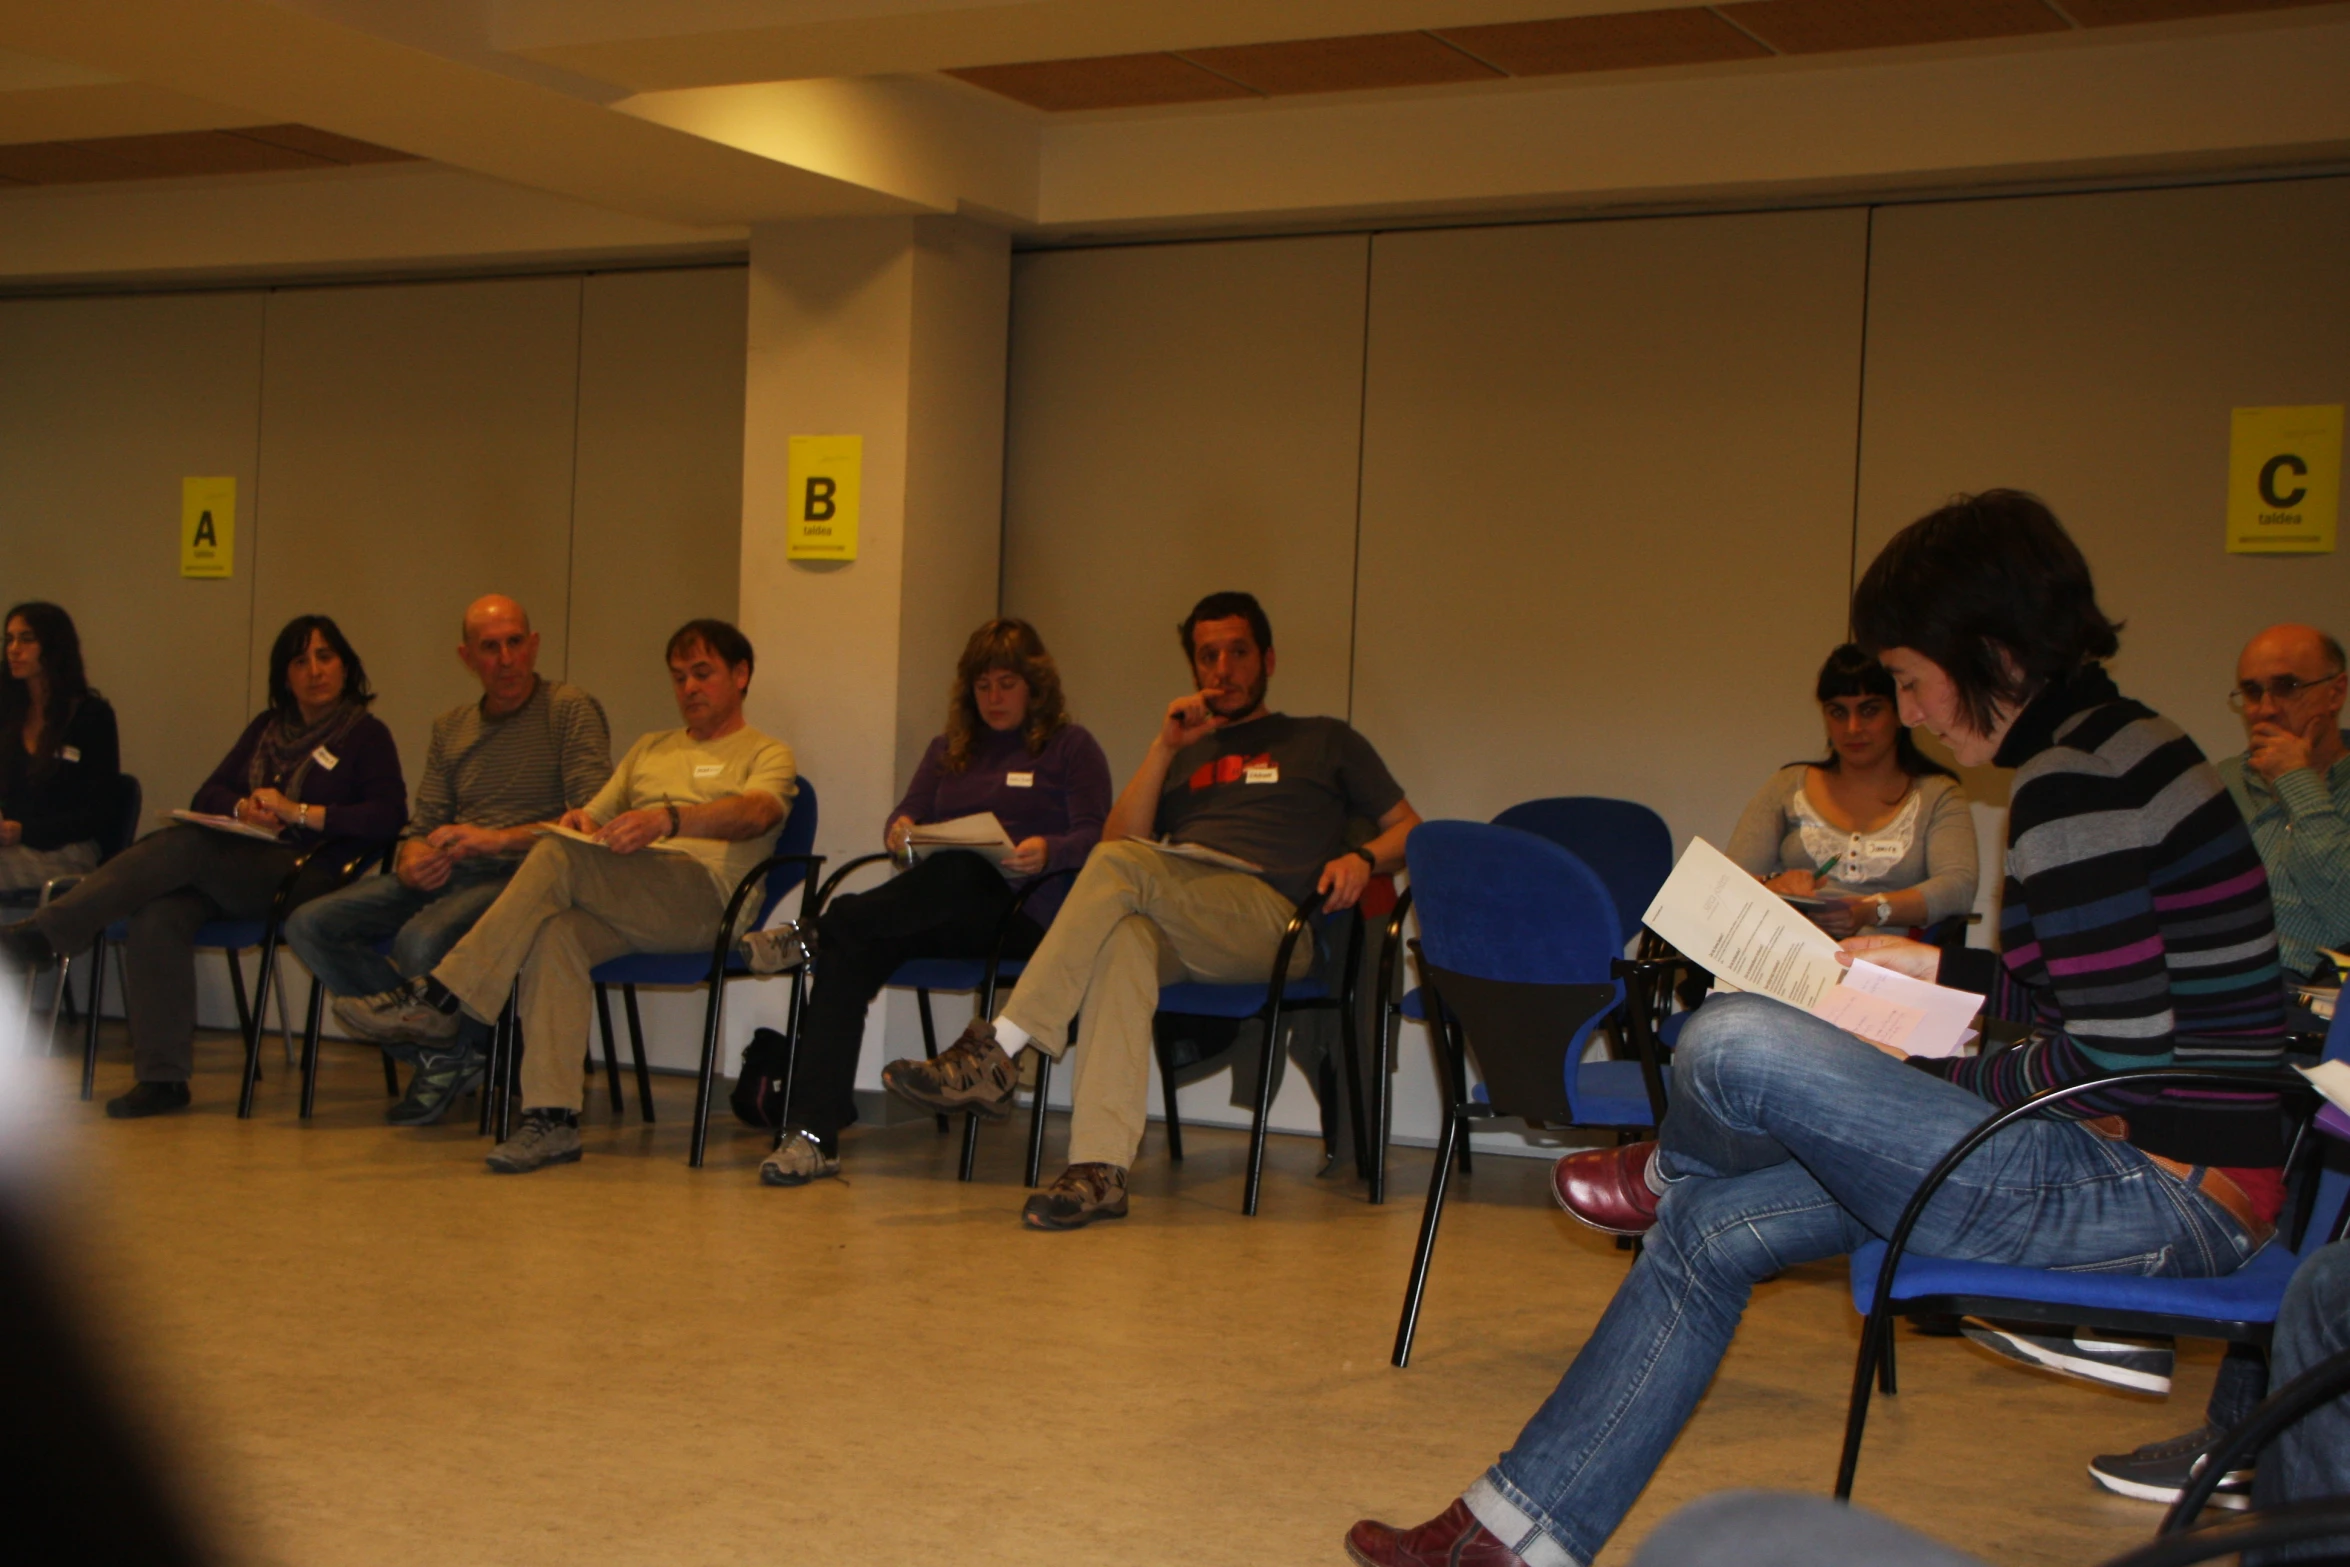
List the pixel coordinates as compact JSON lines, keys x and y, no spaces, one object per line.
{"x":168,"y":884}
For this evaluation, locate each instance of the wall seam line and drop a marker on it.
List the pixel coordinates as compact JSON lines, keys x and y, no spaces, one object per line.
{"x":1354,"y":584}
{"x":253,"y":567}
{"x":1860,"y":409}
{"x":571,"y":509}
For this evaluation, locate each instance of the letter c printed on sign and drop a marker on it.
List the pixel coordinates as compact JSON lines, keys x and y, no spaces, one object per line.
{"x":2284,"y":480}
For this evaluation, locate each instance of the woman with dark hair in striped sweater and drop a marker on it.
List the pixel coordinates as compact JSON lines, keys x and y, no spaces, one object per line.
{"x":2137,"y":931}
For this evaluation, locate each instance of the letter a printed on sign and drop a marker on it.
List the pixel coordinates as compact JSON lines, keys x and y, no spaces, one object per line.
{"x":208,"y":527}
{"x":2284,"y":480}
{"x":822,"y":481}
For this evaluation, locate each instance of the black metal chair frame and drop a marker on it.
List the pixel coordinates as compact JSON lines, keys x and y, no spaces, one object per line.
{"x":1450,"y":1032}
{"x":1873,"y":1367}
{"x":1278,"y":1001}
{"x":315,"y":1016}
{"x":506,"y":1042}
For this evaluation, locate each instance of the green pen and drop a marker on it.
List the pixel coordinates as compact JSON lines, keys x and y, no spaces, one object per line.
{"x":1823,"y":872}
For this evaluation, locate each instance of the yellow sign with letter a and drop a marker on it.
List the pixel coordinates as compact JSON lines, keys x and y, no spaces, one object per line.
{"x":2284,"y":480}
{"x":823,"y":478}
{"x":208,"y":527}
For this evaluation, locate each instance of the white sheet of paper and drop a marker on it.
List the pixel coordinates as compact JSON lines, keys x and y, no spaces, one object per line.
{"x":228,"y":824}
{"x":982,"y":831}
{"x":1945,"y":1016}
{"x":1877,"y":1019}
{"x":1742,"y":931}
{"x":557,"y":829}
{"x":2332,"y":1079}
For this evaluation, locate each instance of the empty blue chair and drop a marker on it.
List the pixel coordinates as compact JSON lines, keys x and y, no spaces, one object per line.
{"x":1518,"y":954}
{"x":791,"y":865}
{"x":2239,"y":1307}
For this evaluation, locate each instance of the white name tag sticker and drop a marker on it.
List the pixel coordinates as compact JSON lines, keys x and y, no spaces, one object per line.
{"x":69,"y":753}
{"x":327,"y":759}
{"x":1019,"y":780}
{"x":1261,"y":775}
{"x":708,"y":769}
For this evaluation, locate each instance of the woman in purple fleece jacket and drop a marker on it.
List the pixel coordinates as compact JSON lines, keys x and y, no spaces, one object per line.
{"x":1009,"y":748}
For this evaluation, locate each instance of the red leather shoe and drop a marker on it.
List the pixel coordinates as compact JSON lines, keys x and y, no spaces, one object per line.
{"x":1607,"y":1188}
{"x":1453,"y":1538}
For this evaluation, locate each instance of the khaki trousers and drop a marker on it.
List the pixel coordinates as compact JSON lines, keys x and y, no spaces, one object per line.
{"x":1135,"y":920}
{"x":570,"y":907}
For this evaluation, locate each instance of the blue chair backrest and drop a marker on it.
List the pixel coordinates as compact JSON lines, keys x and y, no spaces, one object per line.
{"x":798,"y":837}
{"x":1625,"y":842}
{"x":1497,"y":903}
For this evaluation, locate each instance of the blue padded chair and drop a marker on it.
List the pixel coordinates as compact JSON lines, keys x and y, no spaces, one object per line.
{"x":2239,"y":1307}
{"x":1519,"y":953}
{"x":791,"y":865}
{"x":1267,"y":1003}
{"x":315,"y":1014}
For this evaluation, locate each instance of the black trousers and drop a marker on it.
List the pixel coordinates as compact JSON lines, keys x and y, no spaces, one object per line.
{"x":167,"y":884}
{"x":949,"y":906}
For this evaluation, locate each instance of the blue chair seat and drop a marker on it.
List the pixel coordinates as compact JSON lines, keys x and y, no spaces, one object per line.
{"x":1233,"y":1001}
{"x":1605,"y":1093}
{"x":2250,"y":1294}
{"x":1668,"y":1033}
{"x":951,"y":974}
{"x":664,"y":968}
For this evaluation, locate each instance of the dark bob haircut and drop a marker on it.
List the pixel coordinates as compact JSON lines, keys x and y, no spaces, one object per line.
{"x":1851,"y":672}
{"x":1223,"y":606}
{"x":288,"y":647}
{"x":1987,"y":575}
{"x":719,"y":636}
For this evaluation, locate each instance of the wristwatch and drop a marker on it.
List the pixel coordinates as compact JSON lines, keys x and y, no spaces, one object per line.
{"x":1369,"y":858}
{"x":1884,"y":911}
{"x":674,"y":823}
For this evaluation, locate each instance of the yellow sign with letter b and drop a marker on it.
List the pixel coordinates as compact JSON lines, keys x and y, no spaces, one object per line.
{"x":823,"y":478}
{"x":2284,"y":480}
{"x":208,"y":527}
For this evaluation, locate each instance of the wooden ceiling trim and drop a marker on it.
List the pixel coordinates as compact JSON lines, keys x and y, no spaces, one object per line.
{"x":257,"y":149}
{"x":320,"y":144}
{"x":1356,"y":64}
{"x":1828,"y":26}
{"x":1119,"y":81}
{"x":2122,"y":13}
{"x":186,"y":153}
{"x":1615,"y":41}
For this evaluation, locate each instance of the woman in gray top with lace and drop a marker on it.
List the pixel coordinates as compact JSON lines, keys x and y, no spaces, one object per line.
{"x":1877,"y":829}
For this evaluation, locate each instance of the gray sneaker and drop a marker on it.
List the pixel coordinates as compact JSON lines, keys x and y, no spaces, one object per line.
{"x":441,"y":1078}
{"x":1078,"y":1196}
{"x":797,"y":1160}
{"x":971,"y":1074}
{"x":543,"y":1138}
{"x":391,"y":1017}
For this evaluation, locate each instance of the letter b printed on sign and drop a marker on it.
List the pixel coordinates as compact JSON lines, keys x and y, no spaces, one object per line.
{"x":822,"y":483}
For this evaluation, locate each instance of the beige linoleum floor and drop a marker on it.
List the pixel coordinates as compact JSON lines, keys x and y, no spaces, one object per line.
{"x":375,"y":1352}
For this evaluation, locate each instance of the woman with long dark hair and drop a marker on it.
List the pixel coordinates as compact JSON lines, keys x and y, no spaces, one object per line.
{"x":1009,"y":748}
{"x":314,"y":766}
{"x":59,"y":758}
{"x":2136,"y":925}
{"x":1876,"y":830}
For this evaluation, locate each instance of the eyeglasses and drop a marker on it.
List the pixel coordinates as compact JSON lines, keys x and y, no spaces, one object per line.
{"x":2281,"y":690}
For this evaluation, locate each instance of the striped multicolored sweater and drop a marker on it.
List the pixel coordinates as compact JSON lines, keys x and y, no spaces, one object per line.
{"x":2136,"y":918}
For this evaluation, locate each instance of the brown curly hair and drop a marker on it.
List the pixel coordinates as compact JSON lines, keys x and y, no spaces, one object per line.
{"x":1003,"y":644}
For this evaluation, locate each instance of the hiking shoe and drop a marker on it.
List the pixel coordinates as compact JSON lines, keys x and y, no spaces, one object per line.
{"x":545,"y":1137}
{"x":1079,"y":1195}
{"x":402,"y":1013}
{"x":2159,"y":1471}
{"x":797,"y":1160}
{"x":2135,"y":1365}
{"x":971,"y":1074}
{"x":147,"y":1099}
{"x":441,"y":1078}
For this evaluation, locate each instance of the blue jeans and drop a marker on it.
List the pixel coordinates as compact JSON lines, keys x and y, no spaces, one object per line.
{"x":336,"y":936}
{"x":1789,"y":1141}
{"x":2312,"y":1459}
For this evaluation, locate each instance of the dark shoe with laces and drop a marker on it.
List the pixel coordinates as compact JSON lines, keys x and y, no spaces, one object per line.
{"x":1079,"y":1195}
{"x":1607,"y":1188}
{"x":799,"y":1158}
{"x":441,"y":1078}
{"x":147,"y":1099}
{"x":545,"y":1137}
{"x":404,"y":1013}
{"x":972,"y":1074}
{"x":24,"y":949}
{"x":1453,"y":1538}
{"x":2161,"y":1471}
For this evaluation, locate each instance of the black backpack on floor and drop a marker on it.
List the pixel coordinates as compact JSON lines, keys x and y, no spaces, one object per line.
{"x":758,"y":1087}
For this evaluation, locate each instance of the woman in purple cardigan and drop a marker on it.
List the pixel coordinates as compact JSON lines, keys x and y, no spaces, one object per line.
{"x":315,"y":766}
{"x":1009,"y":748}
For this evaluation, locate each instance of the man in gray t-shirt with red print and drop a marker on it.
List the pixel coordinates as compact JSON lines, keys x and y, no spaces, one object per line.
{"x":1269,"y":797}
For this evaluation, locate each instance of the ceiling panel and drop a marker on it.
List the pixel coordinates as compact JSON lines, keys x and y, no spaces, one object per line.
{"x":324,"y":144}
{"x":253,"y":150}
{"x":1821,"y":26}
{"x":2117,"y":13}
{"x":1344,"y":64}
{"x":1625,"y":40}
{"x":203,"y":152}
{"x":66,"y":163}
{"x":1117,"y":81}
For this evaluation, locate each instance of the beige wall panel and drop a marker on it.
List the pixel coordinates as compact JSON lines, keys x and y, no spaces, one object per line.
{"x":658,"y":519}
{"x":105,"y":405}
{"x":1183,"y":419}
{"x":417,"y":448}
{"x":1607,"y":507}
{"x":2089,"y":348}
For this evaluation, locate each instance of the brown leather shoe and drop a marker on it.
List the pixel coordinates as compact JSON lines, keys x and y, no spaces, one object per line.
{"x":1607,"y":1188}
{"x":1453,"y":1538}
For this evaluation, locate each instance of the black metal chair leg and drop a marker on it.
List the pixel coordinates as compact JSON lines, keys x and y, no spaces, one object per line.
{"x":90,"y":1024}
{"x":1044,"y":1083}
{"x":1873,"y":1334}
{"x":391,"y":1074}
{"x":1382,"y":1096}
{"x":1408,"y":1326}
{"x":311,"y":1019}
{"x":1256,"y":1134}
{"x":510,"y":1078}
{"x":1174,"y":1111}
{"x":1456,"y":1060}
{"x":930,"y":1052}
{"x":255,"y":1021}
{"x":713,"y":1020}
{"x":490,"y":1074}
{"x":1352,"y":1053}
{"x":636,"y":1050}
{"x":611,"y":1057}
{"x":1885,"y":1380}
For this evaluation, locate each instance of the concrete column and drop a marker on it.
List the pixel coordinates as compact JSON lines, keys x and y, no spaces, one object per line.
{"x":893,"y":329}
